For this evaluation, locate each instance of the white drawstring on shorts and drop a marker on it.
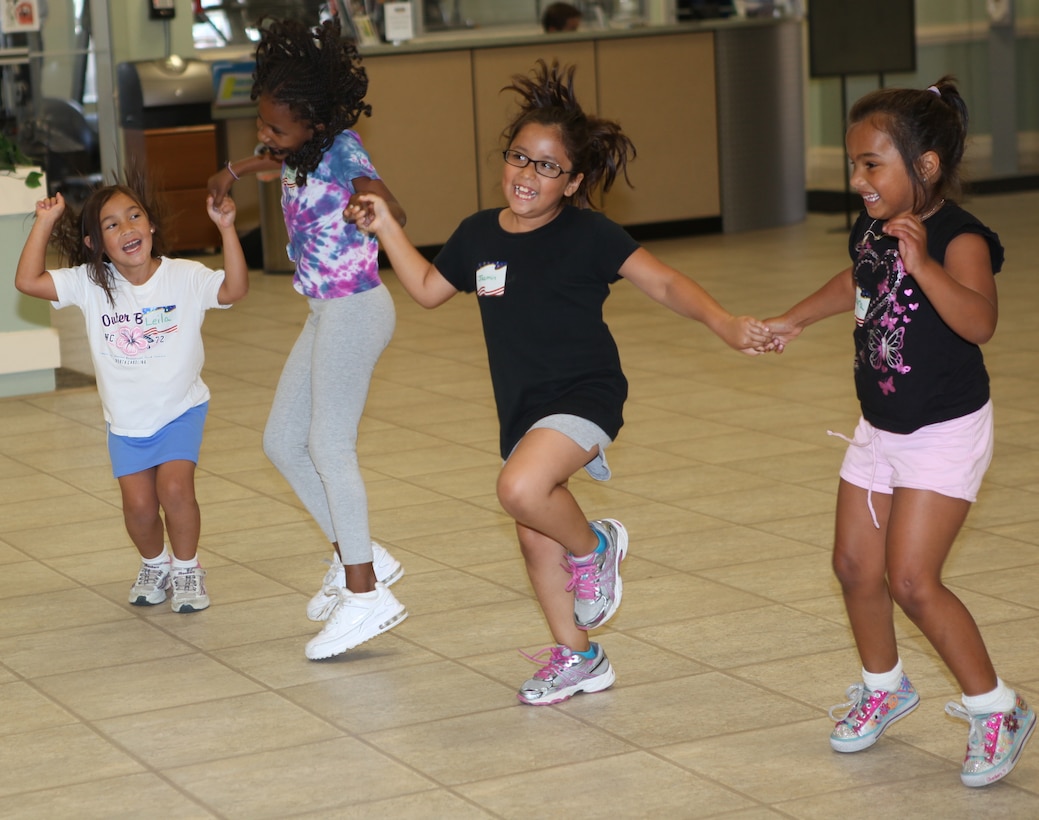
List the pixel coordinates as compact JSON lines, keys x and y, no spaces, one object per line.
{"x":873,"y":451}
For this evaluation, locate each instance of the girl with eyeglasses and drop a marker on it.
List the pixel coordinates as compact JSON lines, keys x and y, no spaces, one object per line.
{"x":541,"y":269}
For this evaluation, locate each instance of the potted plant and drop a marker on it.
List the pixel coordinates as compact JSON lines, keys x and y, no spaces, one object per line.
{"x":13,"y":161}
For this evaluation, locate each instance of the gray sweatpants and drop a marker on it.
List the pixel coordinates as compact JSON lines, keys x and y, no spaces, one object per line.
{"x":311,"y":433}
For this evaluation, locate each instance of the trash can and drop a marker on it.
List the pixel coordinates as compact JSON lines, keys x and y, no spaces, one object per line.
{"x":165,"y":109}
{"x":273,"y":235}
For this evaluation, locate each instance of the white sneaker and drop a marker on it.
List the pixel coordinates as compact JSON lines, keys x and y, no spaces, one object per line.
{"x":189,"y":589}
{"x":356,"y":619}
{"x":150,"y":587}
{"x":388,"y":571}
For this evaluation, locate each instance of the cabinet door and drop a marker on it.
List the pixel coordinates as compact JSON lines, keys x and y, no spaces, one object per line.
{"x":420,"y":138}
{"x":493,"y":69}
{"x":179,"y":161}
{"x":662,"y":92}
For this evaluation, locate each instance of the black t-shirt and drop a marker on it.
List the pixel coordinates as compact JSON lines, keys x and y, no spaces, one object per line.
{"x":541,"y":295}
{"x":911,"y":369}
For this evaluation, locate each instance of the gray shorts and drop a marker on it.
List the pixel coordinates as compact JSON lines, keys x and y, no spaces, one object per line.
{"x":586,"y":434}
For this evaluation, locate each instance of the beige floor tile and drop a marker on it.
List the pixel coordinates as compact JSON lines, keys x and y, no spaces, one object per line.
{"x":760,"y":763}
{"x":60,"y":756}
{"x":132,"y":688}
{"x":496,"y":744}
{"x":280,"y":663}
{"x":26,"y":614}
{"x":604,"y":789}
{"x":938,"y":795}
{"x":746,"y":636}
{"x":320,"y":774}
{"x":124,"y":795}
{"x":214,"y":730}
{"x":397,"y":697}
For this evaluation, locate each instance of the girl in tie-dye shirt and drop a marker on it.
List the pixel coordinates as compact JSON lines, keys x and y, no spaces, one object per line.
{"x":310,"y":87}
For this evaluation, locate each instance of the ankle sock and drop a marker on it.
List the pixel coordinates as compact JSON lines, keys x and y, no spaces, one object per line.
{"x":883,"y":681}
{"x":602,"y":540}
{"x":188,"y":564}
{"x":160,"y":559}
{"x":588,"y":653}
{"x":1000,"y":699}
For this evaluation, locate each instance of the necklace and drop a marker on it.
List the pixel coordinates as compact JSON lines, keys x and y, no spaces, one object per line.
{"x":933,"y":210}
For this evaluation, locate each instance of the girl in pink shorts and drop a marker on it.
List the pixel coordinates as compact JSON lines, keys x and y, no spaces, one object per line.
{"x":922,"y":286}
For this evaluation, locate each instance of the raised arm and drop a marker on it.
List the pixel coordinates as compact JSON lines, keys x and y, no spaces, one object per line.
{"x":669,"y":287}
{"x":31,"y":276}
{"x":420,"y":278}
{"x":836,"y":296}
{"x":236,"y":272}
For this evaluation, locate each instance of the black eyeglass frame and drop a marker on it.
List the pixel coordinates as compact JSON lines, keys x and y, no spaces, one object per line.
{"x":540,"y":165}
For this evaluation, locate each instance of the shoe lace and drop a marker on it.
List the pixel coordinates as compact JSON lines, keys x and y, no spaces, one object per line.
{"x":857,"y":695}
{"x":558,"y":659}
{"x":584,"y":578}
{"x":984,"y":730}
{"x":187,"y":580}
{"x":148,"y":575}
{"x":330,"y":573}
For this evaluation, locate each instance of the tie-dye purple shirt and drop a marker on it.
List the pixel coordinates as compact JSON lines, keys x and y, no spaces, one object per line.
{"x":332,"y":257}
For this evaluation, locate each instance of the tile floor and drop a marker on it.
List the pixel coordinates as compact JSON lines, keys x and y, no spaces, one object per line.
{"x":729,"y":647}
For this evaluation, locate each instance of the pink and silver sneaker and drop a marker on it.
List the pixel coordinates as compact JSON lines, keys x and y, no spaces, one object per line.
{"x":565,"y":674}
{"x":867,"y":714}
{"x":995,"y":742}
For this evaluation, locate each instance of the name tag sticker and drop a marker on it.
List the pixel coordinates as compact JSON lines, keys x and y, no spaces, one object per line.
{"x":490,"y":279}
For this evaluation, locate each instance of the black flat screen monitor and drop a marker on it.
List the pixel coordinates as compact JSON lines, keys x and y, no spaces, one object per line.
{"x":861,"y":37}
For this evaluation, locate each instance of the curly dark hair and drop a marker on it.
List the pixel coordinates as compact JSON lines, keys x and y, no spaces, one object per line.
{"x":75,"y":226}
{"x":318,"y":75}
{"x":596,"y":147}
{"x":918,"y":121}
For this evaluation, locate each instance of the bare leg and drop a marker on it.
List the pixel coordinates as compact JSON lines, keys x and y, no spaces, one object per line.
{"x":532,"y":488}
{"x":921,"y":531}
{"x":141,"y":512}
{"x":175,"y":486}
{"x":860,"y":563}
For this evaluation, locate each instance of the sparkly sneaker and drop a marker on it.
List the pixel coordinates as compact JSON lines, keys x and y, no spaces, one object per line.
{"x":994,"y":743}
{"x":150,"y":587}
{"x":355,"y":620}
{"x":387,"y":571}
{"x":595,"y":580}
{"x":189,"y":589}
{"x":566,"y":674}
{"x":867,"y":714}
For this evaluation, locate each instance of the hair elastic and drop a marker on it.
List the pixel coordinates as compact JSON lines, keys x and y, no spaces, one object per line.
{"x":230,"y":170}
{"x":933,"y":88}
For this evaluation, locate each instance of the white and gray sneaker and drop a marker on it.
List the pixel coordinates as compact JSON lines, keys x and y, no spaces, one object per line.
{"x":150,"y":587}
{"x":356,"y":619}
{"x":189,"y":589}
{"x":388,"y":571}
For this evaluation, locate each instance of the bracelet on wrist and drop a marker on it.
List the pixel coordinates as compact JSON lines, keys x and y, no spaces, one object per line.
{"x":230,"y":170}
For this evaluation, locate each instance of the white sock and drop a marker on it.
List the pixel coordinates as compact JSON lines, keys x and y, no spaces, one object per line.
{"x":884,"y":681}
{"x":162,"y":558}
{"x":188,"y":564}
{"x":1000,"y":699}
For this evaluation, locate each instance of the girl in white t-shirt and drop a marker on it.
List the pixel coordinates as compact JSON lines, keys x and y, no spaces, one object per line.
{"x":143,"y":315}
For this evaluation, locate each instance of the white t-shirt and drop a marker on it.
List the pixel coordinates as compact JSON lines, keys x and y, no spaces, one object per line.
{"x":147,"y":350}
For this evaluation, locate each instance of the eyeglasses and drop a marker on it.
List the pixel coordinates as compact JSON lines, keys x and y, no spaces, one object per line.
{"x":543,"y":167}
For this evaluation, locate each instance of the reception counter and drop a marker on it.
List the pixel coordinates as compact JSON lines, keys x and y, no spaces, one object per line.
{"x":715,"y":110}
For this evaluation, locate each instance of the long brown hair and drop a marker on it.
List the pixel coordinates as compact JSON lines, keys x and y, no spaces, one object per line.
{"x":76,"y":225}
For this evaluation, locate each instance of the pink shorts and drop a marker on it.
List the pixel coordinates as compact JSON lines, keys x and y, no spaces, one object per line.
{"x":950,"y":457}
